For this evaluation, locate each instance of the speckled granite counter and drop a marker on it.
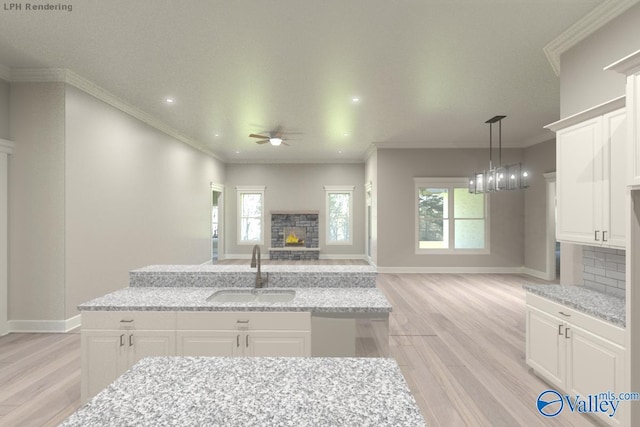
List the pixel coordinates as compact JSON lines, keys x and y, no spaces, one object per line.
{"x":279,"y":275}
{"x":198,"y":391}
{"x":594,"y":303}
{"x":318,"y":300}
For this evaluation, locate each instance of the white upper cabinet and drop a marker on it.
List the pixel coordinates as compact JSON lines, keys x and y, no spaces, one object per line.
{"x":590,"y":174}
{"x":630,"y":66}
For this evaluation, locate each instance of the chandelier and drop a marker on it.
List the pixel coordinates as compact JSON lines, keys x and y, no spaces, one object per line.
{"x":500,"y":178}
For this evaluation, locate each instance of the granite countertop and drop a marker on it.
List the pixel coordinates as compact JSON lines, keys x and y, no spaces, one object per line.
{"x":278,"y":275}
{"x":317,"y":300}
{"x":268,"y":268}
{"x":589,"y":301}
{"x":248,"y":391}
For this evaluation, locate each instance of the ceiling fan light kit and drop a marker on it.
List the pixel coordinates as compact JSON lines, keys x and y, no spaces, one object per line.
{"x":500,"y":178}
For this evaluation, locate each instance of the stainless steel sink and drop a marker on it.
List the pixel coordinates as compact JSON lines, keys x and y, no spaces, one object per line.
{"x":253,"y":295}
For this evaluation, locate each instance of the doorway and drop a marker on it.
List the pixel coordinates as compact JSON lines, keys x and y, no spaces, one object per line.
{"x":216,"y":223}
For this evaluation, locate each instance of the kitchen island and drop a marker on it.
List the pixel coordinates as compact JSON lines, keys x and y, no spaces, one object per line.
{"x":343,"y":316}
{"x":201,"y":391}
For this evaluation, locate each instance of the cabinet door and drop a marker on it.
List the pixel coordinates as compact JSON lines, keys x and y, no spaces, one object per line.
{"x":614,"y":180}
{"x":595,"y":365}
{"x":209,"y":343}
{"x":150,"y":343}
{"x":104,"y":358}
{"x":277,"y":343}
{"x":545,"y":345}
{"x":579,"y":182}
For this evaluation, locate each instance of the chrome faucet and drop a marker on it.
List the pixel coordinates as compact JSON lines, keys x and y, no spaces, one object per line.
{"x":255,"y":262}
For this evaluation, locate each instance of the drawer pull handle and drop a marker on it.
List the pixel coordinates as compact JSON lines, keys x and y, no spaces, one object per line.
{"x":560,"y":330}
{"x":131,"y":340}
{"x":247,"y":340}
{"x":126,"y":321}
{"x":566,"y":332}
{"x":564,"y":314}
{"x":596,"y":236}
{"x":238,"y":340}
{"x":242,"y":321}
{"x":604,"y":235}
{"x":122,"y":340}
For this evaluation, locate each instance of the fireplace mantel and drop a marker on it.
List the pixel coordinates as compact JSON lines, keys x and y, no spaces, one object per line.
{"x":294,"y":212}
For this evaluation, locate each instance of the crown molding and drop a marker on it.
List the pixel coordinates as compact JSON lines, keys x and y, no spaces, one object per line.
{"x":41,"y":75}
{"x":590,"y":113}
{"x":586,"y":26}
{"x":627,"y":65}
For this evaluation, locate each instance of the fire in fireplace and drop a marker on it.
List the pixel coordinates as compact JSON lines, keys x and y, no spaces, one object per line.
{"x":294,"y":236}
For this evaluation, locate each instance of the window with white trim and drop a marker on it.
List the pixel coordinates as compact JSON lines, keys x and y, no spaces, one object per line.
{"x":339,"y":214}
{"x":250,"y":215}
{"x":449,"y":219}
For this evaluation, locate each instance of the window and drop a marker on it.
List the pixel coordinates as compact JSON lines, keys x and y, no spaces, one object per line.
{"x":250,"y":215}
{"x":339,"y":202}
{"x":449,"y":219}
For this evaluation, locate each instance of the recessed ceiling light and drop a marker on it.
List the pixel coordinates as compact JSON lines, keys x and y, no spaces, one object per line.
{"x":237,"y":152}
{"x":355,"y":99}
{"x":169,"y":100}
{"x":345,"y":134}
{"x":217,"y":135}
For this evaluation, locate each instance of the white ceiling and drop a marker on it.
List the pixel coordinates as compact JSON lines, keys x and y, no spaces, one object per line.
{"x":429,"y":73}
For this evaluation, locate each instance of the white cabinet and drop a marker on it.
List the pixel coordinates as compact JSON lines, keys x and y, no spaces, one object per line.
{"x":630,"y":66}
{"x":111,"y":342}
{"x":244,"y":334}
{"x":577,"y":353}
{"x":590,"y":173}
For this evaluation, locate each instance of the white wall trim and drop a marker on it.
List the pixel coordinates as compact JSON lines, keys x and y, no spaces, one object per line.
{"x":41,"y":75}
{"x":452,"y":270}
{"x":535,"y":273}
{"x":582,"y":29}
{"x":51,"y":326}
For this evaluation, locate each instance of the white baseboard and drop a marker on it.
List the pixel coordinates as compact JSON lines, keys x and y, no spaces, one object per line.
{"x":55,"y":326}
{"x":537,"y":273}
{"x":451,"y":270}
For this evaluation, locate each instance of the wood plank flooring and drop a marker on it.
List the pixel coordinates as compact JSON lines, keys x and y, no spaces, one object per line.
{"x":459,"y":341}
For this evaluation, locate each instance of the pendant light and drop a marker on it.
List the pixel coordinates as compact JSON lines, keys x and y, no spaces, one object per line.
{"x":500,"y":178}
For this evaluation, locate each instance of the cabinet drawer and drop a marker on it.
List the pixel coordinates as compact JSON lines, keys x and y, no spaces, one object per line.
{"x":200,"y":321}
{"x":596,"y":326}
{"x":150,"y":320}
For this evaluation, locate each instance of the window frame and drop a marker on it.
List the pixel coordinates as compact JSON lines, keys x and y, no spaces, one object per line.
{"x":240,"y":191}
{"x":339,"y":189}
{"x":450,"y":184}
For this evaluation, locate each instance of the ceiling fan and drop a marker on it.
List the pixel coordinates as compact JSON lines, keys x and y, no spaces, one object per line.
{"x":275,"y":138}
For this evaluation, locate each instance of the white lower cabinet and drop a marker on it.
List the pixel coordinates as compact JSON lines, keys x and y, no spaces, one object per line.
{"x":113,"y":341}
{"x":578,"y":354}
{"x":244,"y":334}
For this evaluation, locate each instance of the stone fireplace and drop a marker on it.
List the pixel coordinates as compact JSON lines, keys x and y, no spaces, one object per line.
{"x":294,"y":235}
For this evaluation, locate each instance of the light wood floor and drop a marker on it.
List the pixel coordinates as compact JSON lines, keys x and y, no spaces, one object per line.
{"x":459,"y":340}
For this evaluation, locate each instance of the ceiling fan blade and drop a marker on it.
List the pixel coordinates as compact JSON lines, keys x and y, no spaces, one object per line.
{"x":264,"y":141}
{"x":255,"y":135}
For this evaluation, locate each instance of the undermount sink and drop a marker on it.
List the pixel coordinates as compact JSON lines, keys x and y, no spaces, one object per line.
{"x":253,"y":295}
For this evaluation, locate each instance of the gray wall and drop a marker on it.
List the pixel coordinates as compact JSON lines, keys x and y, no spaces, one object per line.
{"x":583,"y":83}
{"x":5,"y":103}
{"x":93,"y":194}
{"x":295,"y":187}
{"x":134,"y":196}
{"x":36,"y":202}
{"x":396,"y":169}
{"x":540,"y":159}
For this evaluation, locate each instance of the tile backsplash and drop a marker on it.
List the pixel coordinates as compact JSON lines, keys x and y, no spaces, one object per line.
{"x":604,"y":270}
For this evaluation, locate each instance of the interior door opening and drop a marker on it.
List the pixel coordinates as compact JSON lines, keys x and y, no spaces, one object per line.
{"x":216,"y":224}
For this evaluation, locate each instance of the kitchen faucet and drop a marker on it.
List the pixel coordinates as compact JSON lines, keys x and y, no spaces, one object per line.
{"x":255,"y":262}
